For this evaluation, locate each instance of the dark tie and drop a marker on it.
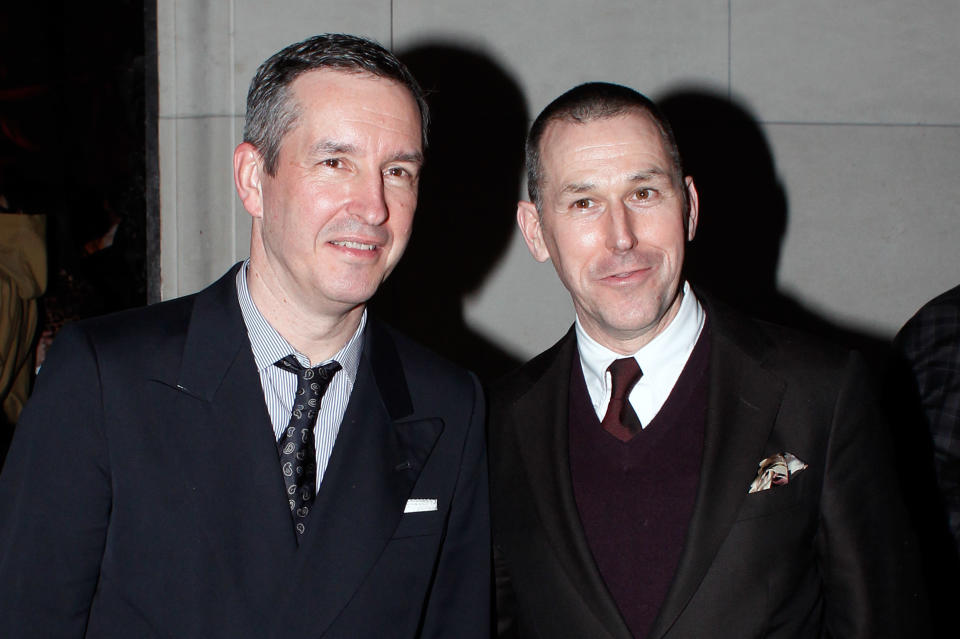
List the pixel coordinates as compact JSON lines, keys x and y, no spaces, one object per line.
{"x":621,"y":421}
{"x":298,"y":456}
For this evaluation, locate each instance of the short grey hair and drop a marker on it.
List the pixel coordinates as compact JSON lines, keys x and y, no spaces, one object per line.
{"x":271,"y":112}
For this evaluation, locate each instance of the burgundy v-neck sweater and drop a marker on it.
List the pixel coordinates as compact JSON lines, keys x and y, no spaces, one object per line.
{"x":635,"y":498}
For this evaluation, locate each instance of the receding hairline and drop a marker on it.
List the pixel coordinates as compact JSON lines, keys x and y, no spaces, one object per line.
{"x":296,"y":103}
{"x":566,"y":117}
{"x":549,"y":127}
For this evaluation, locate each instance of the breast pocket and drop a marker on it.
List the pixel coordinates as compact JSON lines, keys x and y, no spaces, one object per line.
{"x":415,"y":524}
{"x":774,"y":499}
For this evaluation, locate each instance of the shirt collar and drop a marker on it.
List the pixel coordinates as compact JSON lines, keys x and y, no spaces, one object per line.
{"x":270,"y":347}
{"x":665,"y":355}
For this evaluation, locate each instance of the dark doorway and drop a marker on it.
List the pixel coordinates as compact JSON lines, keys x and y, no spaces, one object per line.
{"x":77,"y":90}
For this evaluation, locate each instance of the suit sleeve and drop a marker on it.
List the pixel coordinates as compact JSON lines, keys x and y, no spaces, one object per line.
{"x":866,"y":546}
{"x":55,"y":499}
{"x":459,"y":603}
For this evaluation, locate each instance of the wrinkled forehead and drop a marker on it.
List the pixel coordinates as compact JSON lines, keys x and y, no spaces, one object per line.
{"x":331,"y":97}
{"x":569,"y":145}
{"x":326,"y":88}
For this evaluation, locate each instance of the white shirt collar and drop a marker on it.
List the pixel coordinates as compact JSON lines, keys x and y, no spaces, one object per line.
{"x":661,"y":360}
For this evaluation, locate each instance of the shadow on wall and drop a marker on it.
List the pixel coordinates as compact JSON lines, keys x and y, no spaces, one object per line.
{"x":468,"y":196}
{"x":743,"y":216}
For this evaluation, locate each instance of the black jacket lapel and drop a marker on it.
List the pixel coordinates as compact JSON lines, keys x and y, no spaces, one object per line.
{"x":542,"y":414}
{"x":222,"y":441}
{"x":744,"y":399}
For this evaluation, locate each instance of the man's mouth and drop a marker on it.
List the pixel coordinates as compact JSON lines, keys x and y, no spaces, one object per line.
{"x":360,"y":246}
{"x":622,"y":275}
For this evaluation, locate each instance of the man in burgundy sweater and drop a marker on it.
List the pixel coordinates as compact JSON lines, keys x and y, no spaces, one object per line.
{"x":670,"y":468}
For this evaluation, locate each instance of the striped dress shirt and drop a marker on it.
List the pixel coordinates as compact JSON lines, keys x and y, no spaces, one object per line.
{"x":279,"y":385}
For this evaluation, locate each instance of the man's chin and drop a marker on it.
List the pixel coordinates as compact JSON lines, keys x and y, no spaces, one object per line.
{"x":350,"y":297}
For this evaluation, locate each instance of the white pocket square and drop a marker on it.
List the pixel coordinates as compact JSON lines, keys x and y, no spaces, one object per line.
{"x":420,"y":505}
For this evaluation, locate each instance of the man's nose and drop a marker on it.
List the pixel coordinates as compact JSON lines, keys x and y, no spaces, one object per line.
{"x":369,"y":202}
{"x":620,"y":234}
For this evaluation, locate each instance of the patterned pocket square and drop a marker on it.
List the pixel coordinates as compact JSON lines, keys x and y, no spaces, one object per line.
{"x":776,"y":470}
{"x":420,"y":505}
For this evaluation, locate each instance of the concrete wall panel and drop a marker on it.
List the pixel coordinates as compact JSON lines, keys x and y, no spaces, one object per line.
{"x":877,"y":61}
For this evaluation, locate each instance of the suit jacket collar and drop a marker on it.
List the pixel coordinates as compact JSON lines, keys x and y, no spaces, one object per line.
{"x":215,"y":336}
{"x":217,"y":333}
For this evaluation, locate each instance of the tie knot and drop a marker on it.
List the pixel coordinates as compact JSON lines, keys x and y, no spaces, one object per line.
{"x":624,"y":373}
{"x":324,"y":372}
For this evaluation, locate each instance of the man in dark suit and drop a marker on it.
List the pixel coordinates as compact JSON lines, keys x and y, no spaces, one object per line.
{"x":670,"y":468}
{"x":262,"y":459}
{"x":930,"y":343}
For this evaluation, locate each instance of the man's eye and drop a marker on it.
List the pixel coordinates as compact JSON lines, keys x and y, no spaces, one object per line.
{"x":644,"y":194}
{"x":582,"y":204}
{"x":333,"y":163}
{"x":397,"y":171}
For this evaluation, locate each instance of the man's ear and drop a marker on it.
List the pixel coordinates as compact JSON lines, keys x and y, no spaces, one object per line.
{"x":528,"y":219}
{"x":247,"y":175}
{"x":693,"y":208}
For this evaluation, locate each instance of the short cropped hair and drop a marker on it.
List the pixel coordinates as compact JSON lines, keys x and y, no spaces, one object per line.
{"x":271,"y":112}
{"x":596,"y":101}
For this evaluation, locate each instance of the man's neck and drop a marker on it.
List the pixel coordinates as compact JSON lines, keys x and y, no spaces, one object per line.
{"x":318,"y":335}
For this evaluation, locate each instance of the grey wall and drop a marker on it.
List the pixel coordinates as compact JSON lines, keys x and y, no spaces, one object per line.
{"x":843,"y":123}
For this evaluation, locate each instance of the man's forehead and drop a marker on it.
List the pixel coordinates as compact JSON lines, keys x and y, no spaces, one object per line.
{"x":569,"y":145}
{"x":330,"y":84}
{"x":329,"y":97}
{"x":564,"y":130}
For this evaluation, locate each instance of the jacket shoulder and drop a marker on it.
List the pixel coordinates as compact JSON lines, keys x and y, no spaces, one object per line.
{"x":147,"y":327}
{"x":515,"y":383}
{"x":778,"y":348}
{"x":425,"y":371}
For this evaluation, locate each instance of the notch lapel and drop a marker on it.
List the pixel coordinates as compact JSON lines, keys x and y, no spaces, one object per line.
{"x":743,"y":402}
{"x":542,"y":428}
{"x":217,"y":434}
{"x":375,"y":463}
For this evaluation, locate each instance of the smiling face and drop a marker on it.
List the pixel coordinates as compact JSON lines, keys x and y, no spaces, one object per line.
{"x":614,"y":224}
{"x":334,"y":219}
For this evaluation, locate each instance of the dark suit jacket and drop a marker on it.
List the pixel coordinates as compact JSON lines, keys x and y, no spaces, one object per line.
{"x":827,"y":554}
{"x":930,"y":344}
{"x":142,"y":496}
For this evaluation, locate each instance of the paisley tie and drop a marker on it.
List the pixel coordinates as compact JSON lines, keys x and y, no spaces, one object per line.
{"x":298,"y":457}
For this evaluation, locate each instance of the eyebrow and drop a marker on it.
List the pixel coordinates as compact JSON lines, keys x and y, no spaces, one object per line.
{"x":578,"y":187}
{"x":648,"y":176}
{"x":331,"y":146}
{"x":324,"y":147}
{"x":410,"y":156}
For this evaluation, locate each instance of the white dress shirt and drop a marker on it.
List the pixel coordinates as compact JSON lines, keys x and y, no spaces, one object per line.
{"x":280,"y":385}
{"x":661,"y":360}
